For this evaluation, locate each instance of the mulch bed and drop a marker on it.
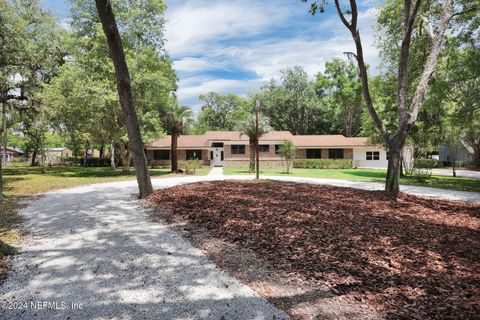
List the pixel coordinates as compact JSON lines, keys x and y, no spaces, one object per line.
{"x":410,"y":258}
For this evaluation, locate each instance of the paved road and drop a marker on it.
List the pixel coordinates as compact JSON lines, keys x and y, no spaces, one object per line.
{"x":460,"y":173}
{"x":93,"y":246}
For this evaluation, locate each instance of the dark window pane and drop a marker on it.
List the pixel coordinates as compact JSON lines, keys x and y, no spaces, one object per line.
{"x":217,"y":144}
{"x":277,"y":149}
{"x":194,"y":154}
{"x":373,"y":155}
{"x":335,"y":153}
{"x":161,"y":154}
{"x":264,"y":148}
{"x":314,"y":153}
{"x":238,"y":149}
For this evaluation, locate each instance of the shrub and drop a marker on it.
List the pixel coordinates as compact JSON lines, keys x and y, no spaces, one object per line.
{"x":71,"y":161}
{"x":422,"y":174}
{"x":427,"y":163}
{"x":288,"y":151}
{"x":322,"y":163}
{"x":191,"y":166}
{"x":96,"y":162}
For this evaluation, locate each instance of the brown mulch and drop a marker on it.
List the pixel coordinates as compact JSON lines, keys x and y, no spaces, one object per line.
{"x":412,"y":258}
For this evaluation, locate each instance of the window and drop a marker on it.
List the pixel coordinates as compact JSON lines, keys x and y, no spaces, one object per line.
{"x":264,"y":148}
{"x":217,"y":144}
{"x":314,"y":153}
{"x":238,"y":149}
{"x":335,"y":153}
{"x":194,"y":154}
{"x":161,"y":154}
{"x":277,"y":149}
{"x":373,"y":155}
{"x":387,"y":155}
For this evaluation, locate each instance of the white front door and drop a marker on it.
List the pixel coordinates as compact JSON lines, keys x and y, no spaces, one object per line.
{"x":217,"y":157}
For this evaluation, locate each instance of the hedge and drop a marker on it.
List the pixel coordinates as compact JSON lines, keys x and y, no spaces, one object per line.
{"x":427,"y":163}
{"x":322,"y":163}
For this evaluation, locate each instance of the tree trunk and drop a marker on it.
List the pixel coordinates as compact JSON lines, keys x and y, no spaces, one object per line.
{"x":251,"y":167}
{"x":476,"y":156}
{"x":34,"y":157}
{"x":85,"y":157}
{"x":112,"y":156}
{"x":173,"y":151}
{"x":126,"y":98}
{"x":102,"y":150}
{"x":1,"y":181}
{"x":125,"y":156}
{"x":5,"y":137}
{"x":394,"y":166}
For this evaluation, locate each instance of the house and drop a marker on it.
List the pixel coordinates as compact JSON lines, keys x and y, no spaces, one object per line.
{"x":12,"y":153}
{"x":231,"y":149}
{"x":463,"y":154}
{"x":53,"y":156}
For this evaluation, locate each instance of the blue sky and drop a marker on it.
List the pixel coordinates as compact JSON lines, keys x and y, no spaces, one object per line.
{"x":236,"y":45}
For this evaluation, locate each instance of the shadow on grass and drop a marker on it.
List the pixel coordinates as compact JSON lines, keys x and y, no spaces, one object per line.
{"x":76,"y":172}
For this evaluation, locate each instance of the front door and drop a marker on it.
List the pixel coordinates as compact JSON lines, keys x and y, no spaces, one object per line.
{"x":217,"y":157}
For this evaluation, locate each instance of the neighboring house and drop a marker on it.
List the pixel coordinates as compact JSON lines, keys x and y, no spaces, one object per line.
{"x":231,"y":149}
{"x":53,"y":156}
{"x":12,"y":153}
{"x":464,"y":154}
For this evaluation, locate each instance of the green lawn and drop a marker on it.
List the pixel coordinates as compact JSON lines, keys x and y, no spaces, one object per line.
{"x":21,"y":180}
{"x":372,"y":175}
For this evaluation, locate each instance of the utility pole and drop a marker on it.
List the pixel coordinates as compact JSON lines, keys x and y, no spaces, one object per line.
{"x":257,"y":154}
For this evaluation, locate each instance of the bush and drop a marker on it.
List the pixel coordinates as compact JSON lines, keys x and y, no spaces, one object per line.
{"x":96,"y":162}
{"x":422,"y":174}
{"x":427,"y":163}
{"x":322,"y":163}
{"x":190,"y":166}
{"x":71,"y":161}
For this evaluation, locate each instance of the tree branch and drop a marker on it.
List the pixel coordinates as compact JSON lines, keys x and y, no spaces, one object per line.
{"x":362,"y":69}
{"x":410,"y":15}
{"x":429,"y":70}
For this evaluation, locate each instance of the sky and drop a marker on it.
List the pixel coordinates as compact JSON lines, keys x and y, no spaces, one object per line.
{"x":234,"y":46}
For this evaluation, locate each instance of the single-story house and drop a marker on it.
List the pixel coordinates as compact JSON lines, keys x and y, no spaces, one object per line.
{"x":53,"y":156}
{"x":231,"y":149}
{"x":12,"y":152}
{"x":464,"y":154}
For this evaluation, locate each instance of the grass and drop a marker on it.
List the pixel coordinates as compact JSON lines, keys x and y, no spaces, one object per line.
{"x":370,"y":175}
{"x":21,"y":180}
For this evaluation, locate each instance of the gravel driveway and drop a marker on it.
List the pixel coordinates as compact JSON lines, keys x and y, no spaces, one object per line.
{"x":94,"y":247}
{"x":92,"y":253}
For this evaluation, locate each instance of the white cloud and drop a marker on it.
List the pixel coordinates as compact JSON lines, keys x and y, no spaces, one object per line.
{"x":192,"y":26}
{"x":242,"y":35}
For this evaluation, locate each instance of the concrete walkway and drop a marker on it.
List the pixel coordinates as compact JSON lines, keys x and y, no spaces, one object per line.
{"x":216,"y":171}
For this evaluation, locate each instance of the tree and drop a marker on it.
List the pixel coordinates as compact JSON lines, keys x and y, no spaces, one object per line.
{"x":247,"y":128}
{"x":125,"y":93}
{"x":30,"y":52}
{"x":222,"y":112}
{"x":407,"y":109}
{"x":341,"y":86}
{"x":288,"y":152}
{"x":175,"y":116}
{"x":293,"y":104}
